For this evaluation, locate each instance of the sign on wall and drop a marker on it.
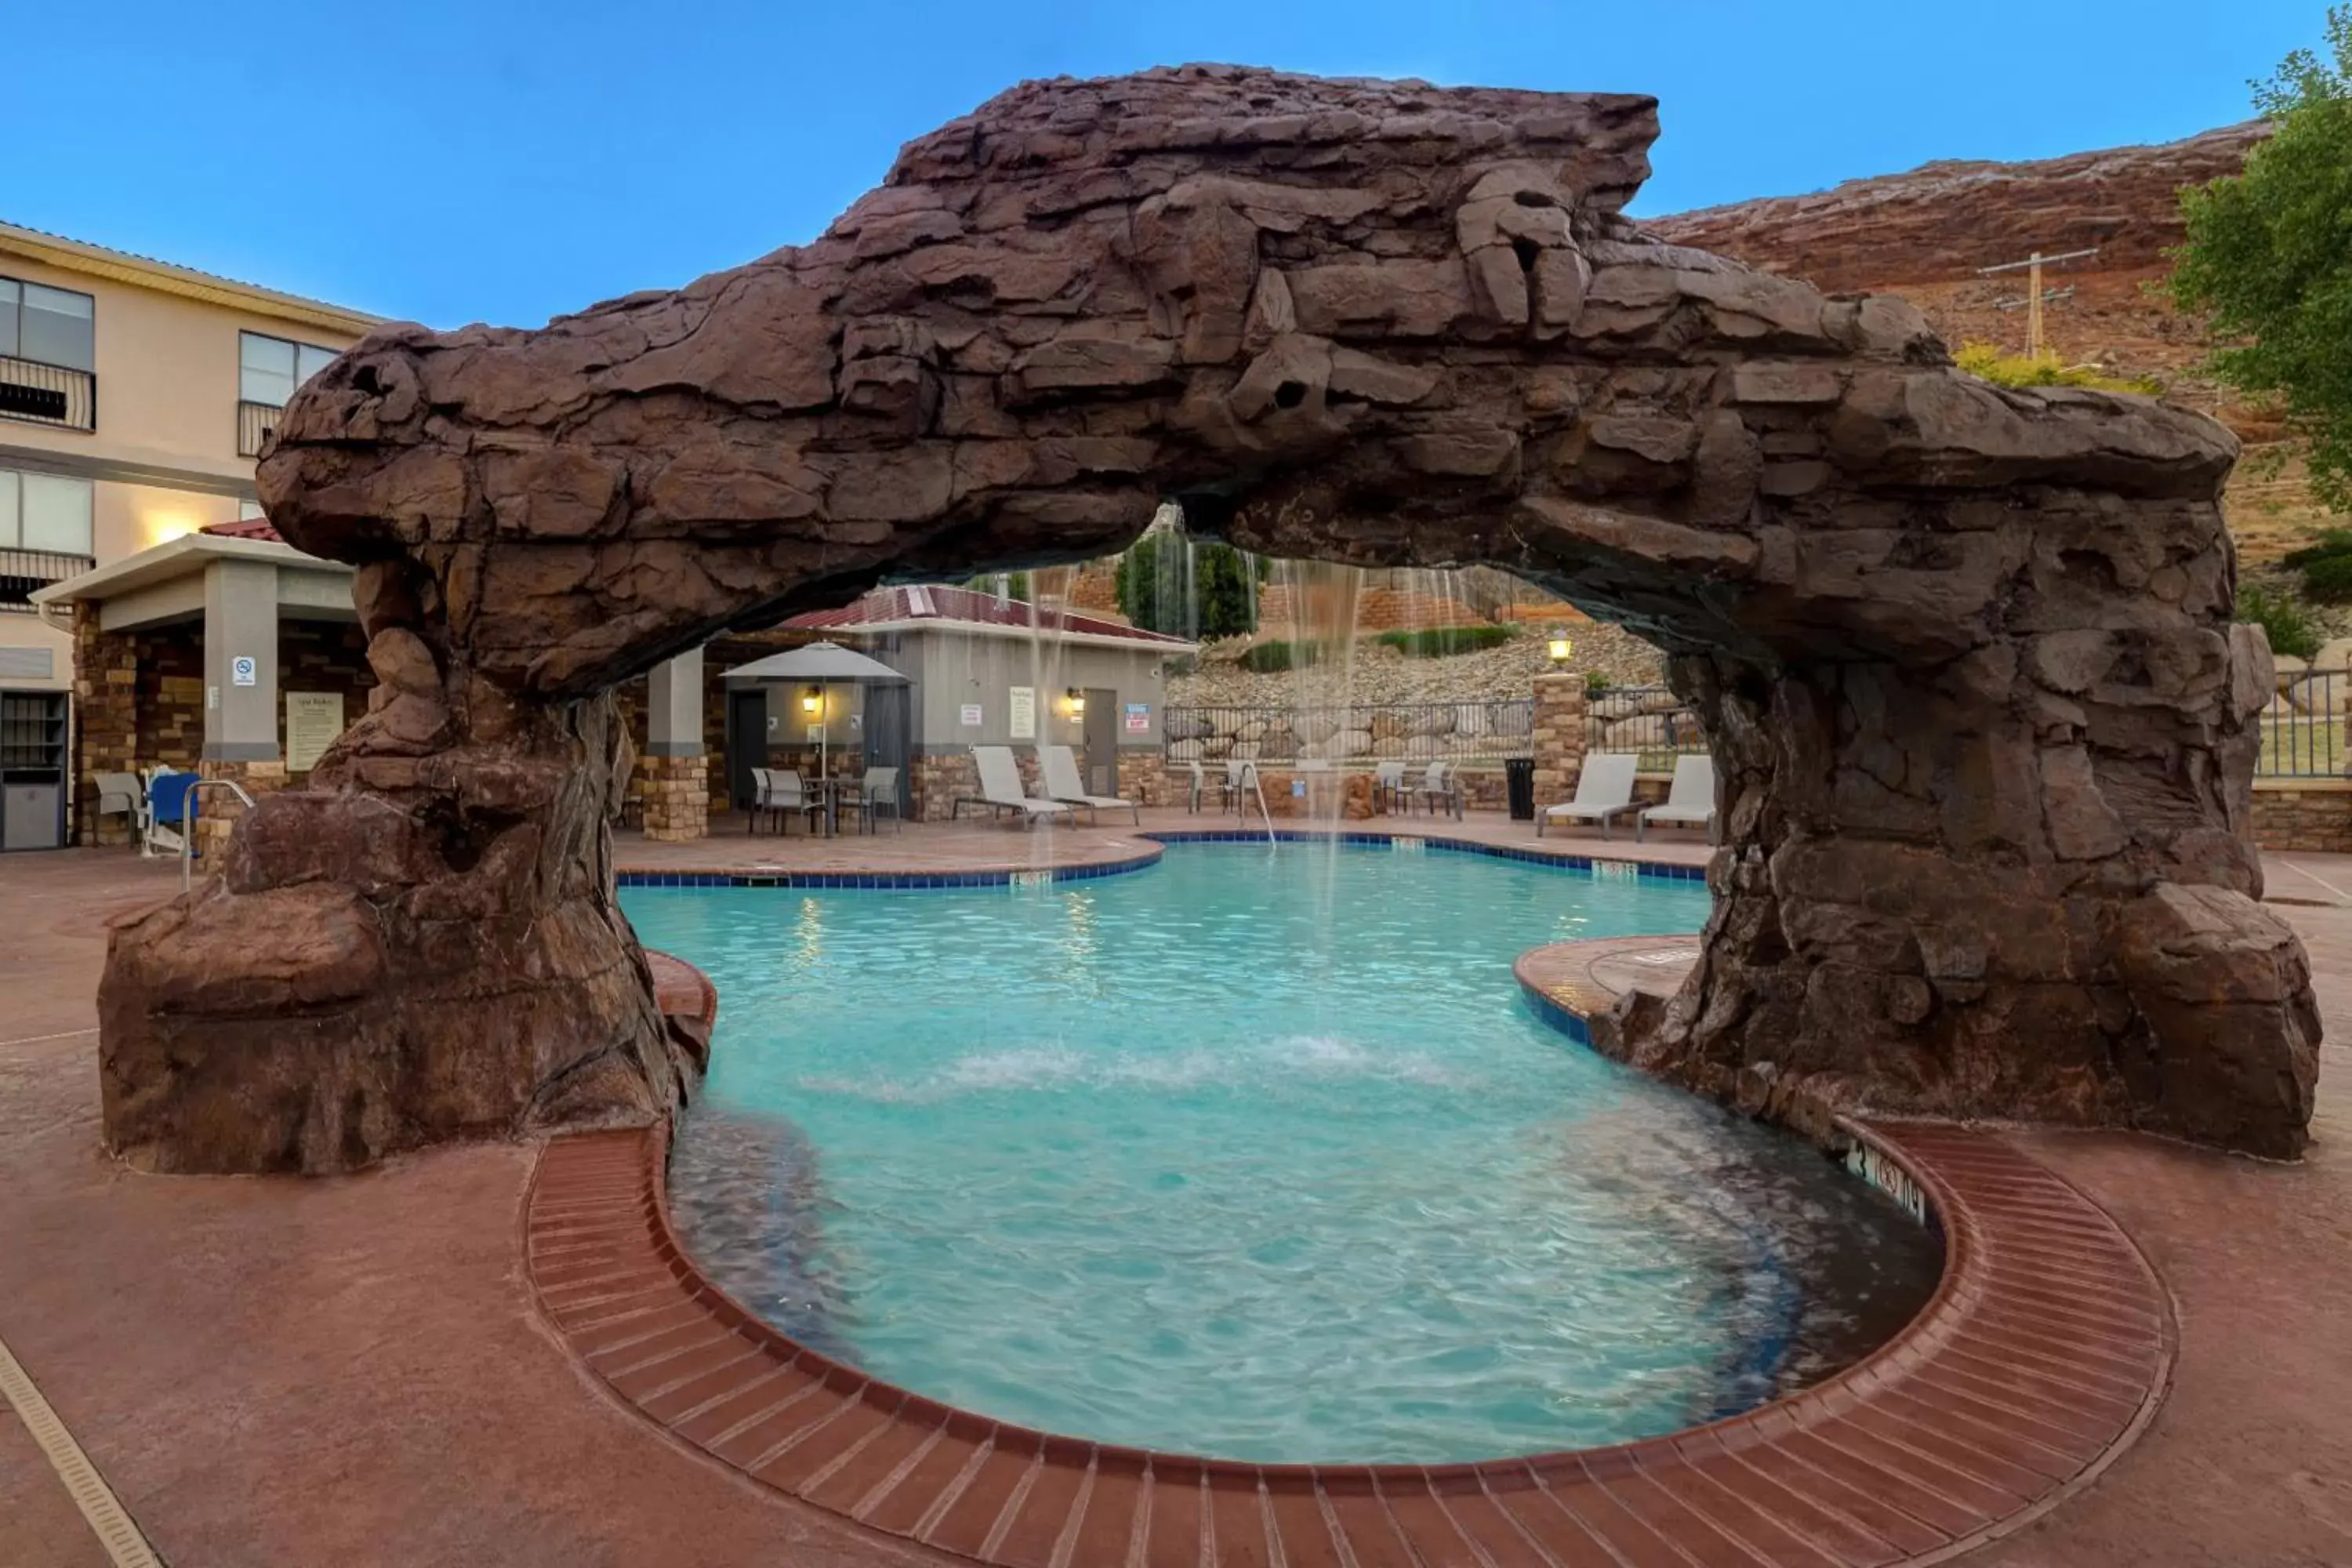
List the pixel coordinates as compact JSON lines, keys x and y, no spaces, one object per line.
{"x":1024,"y":712}
{"x":1138,"y":718}
{"x":971,"y":715}
{"x":313,"y":720}
{"x":241,"y":671}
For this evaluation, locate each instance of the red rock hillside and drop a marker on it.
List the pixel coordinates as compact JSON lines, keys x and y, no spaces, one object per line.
{"x":1924,"y":234}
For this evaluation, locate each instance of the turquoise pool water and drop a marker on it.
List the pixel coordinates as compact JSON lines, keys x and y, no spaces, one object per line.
{"x":1256,"y":1154}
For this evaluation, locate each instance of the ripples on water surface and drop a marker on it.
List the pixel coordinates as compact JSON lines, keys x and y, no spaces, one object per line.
{"x":1252,"y":1155}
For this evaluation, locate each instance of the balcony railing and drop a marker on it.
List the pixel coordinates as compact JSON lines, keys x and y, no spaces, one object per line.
{"x":23,"y":572}
{"x":42,"y":393}
{"x":254,"y":422}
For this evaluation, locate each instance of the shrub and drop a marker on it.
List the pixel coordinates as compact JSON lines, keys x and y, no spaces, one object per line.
{"x":2331,"y":541}
{"x":2282,"y":619}
{"x":2329,"y":579}
{"x":1272,"y":657}
{"x":1224,"y":582}
{"x":1987,"y":362}
{"x":1439,"y":642}
{"x":1596,"y":681}
{"x":2326,"y":568}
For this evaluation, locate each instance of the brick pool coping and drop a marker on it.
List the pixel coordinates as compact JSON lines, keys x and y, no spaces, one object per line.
{"x":1149,"y":842}
{"x":2044,"y":1352}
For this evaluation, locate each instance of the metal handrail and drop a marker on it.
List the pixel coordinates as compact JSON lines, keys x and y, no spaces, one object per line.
{"x":188,"y":823}
{"x":1257,"y":787}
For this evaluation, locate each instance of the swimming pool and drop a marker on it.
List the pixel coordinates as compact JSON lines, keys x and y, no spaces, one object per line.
{"x":1255,"y":1154}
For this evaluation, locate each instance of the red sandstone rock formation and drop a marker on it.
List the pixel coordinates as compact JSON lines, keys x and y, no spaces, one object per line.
{"x":1964,"y":654}
{"x":1942,"y":221}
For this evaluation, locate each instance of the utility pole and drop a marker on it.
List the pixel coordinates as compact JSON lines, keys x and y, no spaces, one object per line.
{"x":2033,"y":265}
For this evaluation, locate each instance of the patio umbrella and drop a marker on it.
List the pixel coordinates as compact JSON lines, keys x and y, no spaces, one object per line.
{"x":823,"y":665}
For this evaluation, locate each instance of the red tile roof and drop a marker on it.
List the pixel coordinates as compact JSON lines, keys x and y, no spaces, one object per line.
{"x":969,"y":606}
{"x":246,"y":528}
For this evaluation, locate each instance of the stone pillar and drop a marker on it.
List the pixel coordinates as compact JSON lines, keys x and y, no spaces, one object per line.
{"x":1559,"y":739}
{"x":677,"y":797}
{"x":241,"y":693}
{"x":240,"y":626}
{"x":106,"y":721}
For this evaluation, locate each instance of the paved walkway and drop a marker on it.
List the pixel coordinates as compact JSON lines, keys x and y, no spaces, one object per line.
{"x":350,"y":1372}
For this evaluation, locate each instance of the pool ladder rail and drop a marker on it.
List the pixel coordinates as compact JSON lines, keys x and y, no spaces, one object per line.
{"x":1257,"y":787}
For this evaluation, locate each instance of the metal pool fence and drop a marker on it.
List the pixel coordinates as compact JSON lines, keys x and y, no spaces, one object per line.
{"x":1362,"y":731}
{"x":2303,"y":727}
{"x":1648,"y":720}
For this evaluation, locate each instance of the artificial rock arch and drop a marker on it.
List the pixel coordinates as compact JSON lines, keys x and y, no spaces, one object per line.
{"x":1964,"y":654}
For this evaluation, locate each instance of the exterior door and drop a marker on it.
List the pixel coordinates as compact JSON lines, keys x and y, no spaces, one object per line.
{"x":889,"y":712}
{"x":1101,"y":759}
{"x":747,"y":744}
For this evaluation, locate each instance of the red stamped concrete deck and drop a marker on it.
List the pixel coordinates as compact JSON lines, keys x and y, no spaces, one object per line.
{"x":357,"y":1371}
{"x":2042,"y":1352}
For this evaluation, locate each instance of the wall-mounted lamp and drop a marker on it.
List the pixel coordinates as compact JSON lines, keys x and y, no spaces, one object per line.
{"x":1077,"y":701}
{"x":1559,"y":647}
{"x":812,"y":700}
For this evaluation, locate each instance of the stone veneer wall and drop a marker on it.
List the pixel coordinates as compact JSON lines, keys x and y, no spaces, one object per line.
{"x":935,"y":781}
{"x":139,"y":699}
{"x":1558,"y":738}
{"x":676,"y":796}
{"x":1377,"y":610}
{"x":2309,"y":815}
{"x":106,"y":721}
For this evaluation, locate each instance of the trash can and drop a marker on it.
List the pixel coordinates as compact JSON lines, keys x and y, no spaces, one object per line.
{"x":1519,"y":787}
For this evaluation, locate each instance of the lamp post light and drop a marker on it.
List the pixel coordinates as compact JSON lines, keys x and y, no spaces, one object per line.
{"x":1559,"y":647}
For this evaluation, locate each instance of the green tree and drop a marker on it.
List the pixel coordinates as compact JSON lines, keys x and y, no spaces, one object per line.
{"x":2268,"y":257}
{"x":1168,"y":583}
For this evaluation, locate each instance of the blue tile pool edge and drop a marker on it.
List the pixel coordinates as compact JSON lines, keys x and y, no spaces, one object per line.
{"x":1655,"y":870}
{"x":1001,"y":876}
{"x":889,"y":881}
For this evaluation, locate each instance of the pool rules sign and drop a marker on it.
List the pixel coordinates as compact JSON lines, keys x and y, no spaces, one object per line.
{"x":313,"y":720}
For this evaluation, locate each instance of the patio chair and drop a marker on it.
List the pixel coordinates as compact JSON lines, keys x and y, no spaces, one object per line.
{"x":878,"y":791}
{"x":1690,"y":799}
{"x":1604,"y":791}
{"x":783,"y":797}
{"x":1058,"y":765}
{"x":1439,"y":785}
{"x":1000,"y":791}
{"x":1387,"y":786}
{"x":160,"y":816}
{"x":120,"y":794}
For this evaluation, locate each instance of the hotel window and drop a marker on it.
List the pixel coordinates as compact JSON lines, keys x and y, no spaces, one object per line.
{"x":44,"y":511}
{"x":269,"y":369}
{"x":53,"y":326}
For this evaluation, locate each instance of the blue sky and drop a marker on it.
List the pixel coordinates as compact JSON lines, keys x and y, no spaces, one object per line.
{"x":506,"y":160}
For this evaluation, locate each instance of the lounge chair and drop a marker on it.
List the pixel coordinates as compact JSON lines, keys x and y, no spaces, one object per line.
{"x":1439,"y":787}
{"x":1690,"y":799}
{"x":1059,"y":767}
{"x":1604,"y":791}
{"x":1000,"y":791}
